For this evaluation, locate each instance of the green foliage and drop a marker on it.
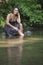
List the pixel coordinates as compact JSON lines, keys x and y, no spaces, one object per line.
{"x":28,"y":8}
{"x":2,"y":22}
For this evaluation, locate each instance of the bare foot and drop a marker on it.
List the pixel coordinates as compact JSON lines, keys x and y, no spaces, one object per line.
{"x":20,"y":33}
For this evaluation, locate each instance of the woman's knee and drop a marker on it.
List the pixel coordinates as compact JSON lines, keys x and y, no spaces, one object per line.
{"x":20,"y":24}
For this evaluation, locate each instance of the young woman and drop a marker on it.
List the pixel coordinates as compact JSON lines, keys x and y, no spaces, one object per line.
{"x":13,"y":24}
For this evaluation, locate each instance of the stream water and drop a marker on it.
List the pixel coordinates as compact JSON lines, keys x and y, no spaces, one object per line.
{"x":22,"y":51}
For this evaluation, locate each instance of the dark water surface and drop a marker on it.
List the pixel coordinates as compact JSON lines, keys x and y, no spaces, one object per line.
{"x":22,"y":51}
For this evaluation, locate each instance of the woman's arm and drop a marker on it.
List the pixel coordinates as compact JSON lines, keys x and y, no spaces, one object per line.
{"x":7,"y":22}
{"x":19,"y":21}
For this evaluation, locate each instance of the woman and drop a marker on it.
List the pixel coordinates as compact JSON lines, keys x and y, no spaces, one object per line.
{"x":13,"y":24}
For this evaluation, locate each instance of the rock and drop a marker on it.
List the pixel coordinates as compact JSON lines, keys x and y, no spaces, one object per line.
{"x":27,"y":33}
{"x":3,"y":35}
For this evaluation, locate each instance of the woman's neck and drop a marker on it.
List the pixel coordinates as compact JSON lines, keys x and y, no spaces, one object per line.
{"x":14,"y":17}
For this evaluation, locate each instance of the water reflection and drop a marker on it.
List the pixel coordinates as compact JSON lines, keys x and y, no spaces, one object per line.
{"x":14,"y":50}
{"x":14,"y":55}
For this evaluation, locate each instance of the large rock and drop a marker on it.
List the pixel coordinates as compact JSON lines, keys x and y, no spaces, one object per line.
{"x":27,"y":33}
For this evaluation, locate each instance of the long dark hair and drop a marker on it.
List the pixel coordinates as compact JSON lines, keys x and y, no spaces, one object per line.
{"x":17,"y":8}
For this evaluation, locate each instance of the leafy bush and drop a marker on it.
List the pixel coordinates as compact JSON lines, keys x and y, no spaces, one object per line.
{"x":2,"y":22}
{"x":28,"y":8}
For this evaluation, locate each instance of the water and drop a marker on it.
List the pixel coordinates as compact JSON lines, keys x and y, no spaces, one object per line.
{"x":22,"y":51}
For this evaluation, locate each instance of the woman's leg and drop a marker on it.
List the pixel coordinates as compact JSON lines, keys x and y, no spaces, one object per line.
{"x":7,"y":30}
{"x":20,"y":31}
{"x":21,"y":28}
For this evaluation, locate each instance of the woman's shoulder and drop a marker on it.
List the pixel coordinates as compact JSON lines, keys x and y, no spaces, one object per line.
{"x":10,"y":14}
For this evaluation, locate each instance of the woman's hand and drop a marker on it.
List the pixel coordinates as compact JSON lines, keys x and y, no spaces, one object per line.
{"x":20,"y":33}
{"x":15,"y":28}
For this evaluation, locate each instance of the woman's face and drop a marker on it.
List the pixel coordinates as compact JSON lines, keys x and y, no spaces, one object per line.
{"x":15,"y":11}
